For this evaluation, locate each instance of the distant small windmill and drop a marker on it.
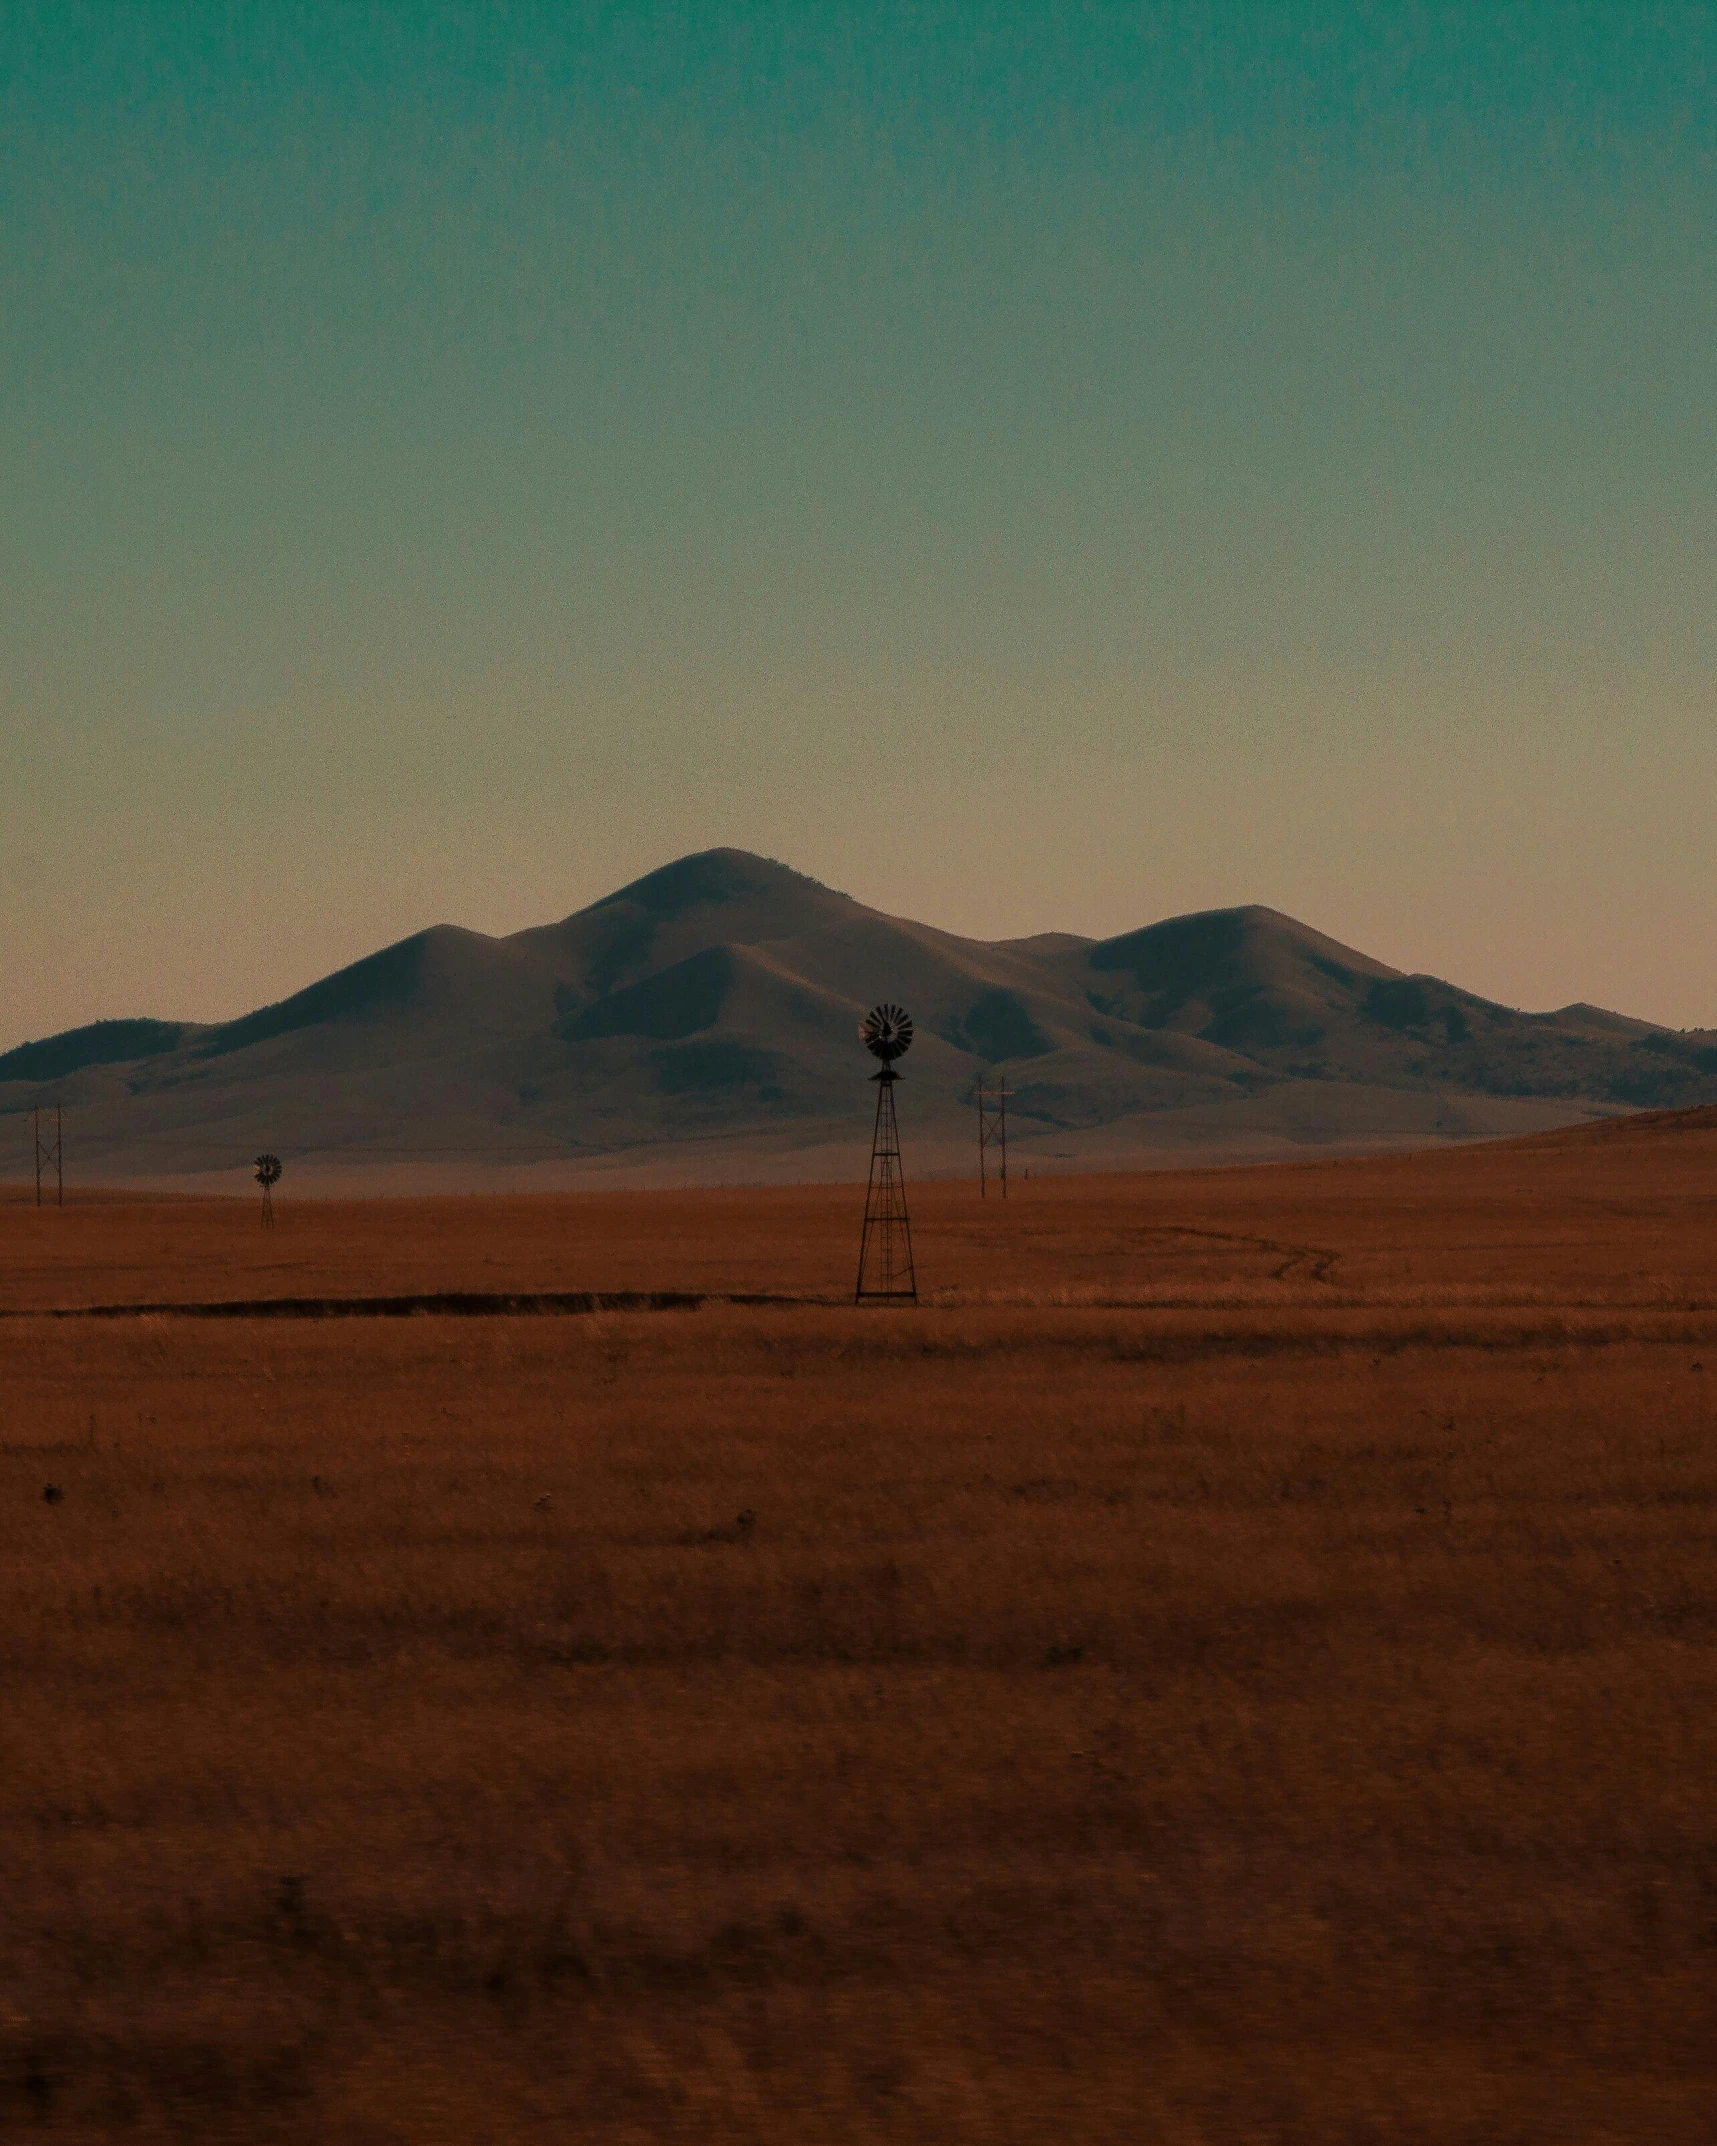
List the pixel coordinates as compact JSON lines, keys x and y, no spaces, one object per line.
{"x":268,"y":1176}
{"x":886,"y":1273}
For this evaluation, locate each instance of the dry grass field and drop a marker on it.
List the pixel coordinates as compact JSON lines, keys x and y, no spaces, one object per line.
{"x":1239,"y":1663}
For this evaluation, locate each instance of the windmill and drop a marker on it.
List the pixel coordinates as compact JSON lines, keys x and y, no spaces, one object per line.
{"x":268,"y":1176}
{"x":885,"y":1272}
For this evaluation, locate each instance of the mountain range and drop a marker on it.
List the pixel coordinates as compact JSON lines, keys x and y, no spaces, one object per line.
{"x":701,"y":1023}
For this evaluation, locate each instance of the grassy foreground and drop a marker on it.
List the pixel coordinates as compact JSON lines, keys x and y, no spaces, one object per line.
{"x":1281,"y":1705}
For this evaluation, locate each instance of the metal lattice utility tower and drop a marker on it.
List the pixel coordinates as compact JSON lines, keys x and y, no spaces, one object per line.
{"x":992,"y":1134}
{"x":268,"y":1176}
{"x":51,"y":1154}
{"x":886,"y":1274}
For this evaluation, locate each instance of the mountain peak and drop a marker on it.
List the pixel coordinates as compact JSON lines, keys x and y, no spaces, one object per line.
{"x":712,"y":878}
{"x":1208,"y":947}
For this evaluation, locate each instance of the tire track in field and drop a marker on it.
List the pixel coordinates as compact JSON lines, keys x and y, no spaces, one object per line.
{"x":1320,"y":1258}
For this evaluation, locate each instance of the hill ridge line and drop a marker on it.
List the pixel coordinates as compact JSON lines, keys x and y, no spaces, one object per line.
{"x":713,"y":1005}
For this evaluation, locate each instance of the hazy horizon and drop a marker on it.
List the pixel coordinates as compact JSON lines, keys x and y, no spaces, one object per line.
{"x":1050,"y":472}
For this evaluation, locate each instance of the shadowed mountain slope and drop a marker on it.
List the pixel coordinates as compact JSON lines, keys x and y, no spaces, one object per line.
{"x":707,"y":1012}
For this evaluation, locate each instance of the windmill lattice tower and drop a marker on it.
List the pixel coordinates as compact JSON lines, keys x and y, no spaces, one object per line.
{"x":886,"y":1274}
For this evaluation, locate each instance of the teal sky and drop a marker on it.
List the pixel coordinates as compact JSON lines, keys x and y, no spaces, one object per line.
{"x":1030,"y":466}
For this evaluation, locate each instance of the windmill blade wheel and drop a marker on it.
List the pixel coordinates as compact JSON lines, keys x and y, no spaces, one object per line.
{"x":886,"y":1032}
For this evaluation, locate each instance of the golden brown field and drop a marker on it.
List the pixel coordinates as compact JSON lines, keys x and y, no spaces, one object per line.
{"x":1239,"y":1664}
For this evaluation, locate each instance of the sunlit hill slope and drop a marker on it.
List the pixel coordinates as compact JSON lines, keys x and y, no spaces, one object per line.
{"x":701,"y":1022}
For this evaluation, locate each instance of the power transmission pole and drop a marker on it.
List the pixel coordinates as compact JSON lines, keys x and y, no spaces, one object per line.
{"x":50,"y":1153}
{"x":992,"y":1134}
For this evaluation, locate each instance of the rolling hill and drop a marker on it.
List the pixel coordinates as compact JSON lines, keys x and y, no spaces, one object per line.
{"x":700,"y":1023}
